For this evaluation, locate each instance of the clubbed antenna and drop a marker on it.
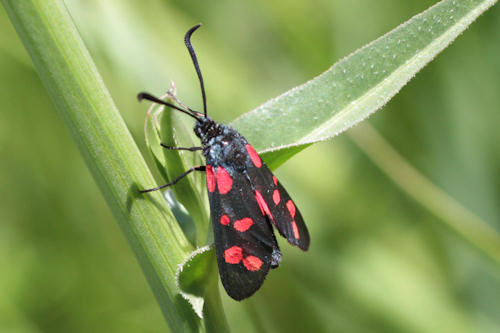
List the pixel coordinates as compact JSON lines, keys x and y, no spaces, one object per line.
{"x":144,"y":95}
{"x":187,"y":41}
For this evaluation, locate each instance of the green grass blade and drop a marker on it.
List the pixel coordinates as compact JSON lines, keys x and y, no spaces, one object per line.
{"x":358,"y":85}
{"x":446,"y":208}
{"x":69,"y":75}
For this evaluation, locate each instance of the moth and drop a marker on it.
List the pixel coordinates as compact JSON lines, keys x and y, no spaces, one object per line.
{"x":246,"y":200}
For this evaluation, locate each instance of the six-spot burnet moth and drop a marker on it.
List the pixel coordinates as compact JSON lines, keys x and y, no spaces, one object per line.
{"x":246,"y":200}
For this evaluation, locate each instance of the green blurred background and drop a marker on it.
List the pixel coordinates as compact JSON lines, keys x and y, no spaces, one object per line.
{"x":378,"y":262}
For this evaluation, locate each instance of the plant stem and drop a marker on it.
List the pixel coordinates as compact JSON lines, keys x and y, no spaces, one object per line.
{"x":76,"y":88}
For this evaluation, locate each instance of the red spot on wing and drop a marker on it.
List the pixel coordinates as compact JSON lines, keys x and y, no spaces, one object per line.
{"x":291,"y":208}
{"x":243,"y":225}
{"x":276,"y":197}
{"x":233,"y":255}
{"x":252,"y":263}
{"x":224,"y":180}
{"x":263,"y":205}
{"x":275,"y":180}
{"x":210,"y":178}
{"x":224,"y":220}
{"x":295,"y":230}
{"x":254,"y":156}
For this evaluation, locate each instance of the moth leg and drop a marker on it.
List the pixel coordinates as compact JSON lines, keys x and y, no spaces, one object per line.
{"x":196,"y":168}
{"x":180,"y":148}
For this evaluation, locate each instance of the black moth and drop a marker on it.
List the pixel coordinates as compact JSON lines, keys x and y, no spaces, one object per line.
{"x":246,"y":200}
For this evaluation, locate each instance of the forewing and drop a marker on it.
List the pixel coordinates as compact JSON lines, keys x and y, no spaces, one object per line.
{"x":275,"y":202}
{"x":244,"y":240}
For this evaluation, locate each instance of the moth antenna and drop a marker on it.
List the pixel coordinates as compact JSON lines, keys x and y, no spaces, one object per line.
{"x":144,"y":95}
{"x":187,"y":41}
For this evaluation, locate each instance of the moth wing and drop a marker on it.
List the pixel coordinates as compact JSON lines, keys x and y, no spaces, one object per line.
{"x":275,"y":202}
{"x":245,"y":244}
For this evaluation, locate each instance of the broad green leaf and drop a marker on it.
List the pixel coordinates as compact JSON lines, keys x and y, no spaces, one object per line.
{"x":198,"y":281}
{"x":193,"y":277}
{"x":356,"y":86}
